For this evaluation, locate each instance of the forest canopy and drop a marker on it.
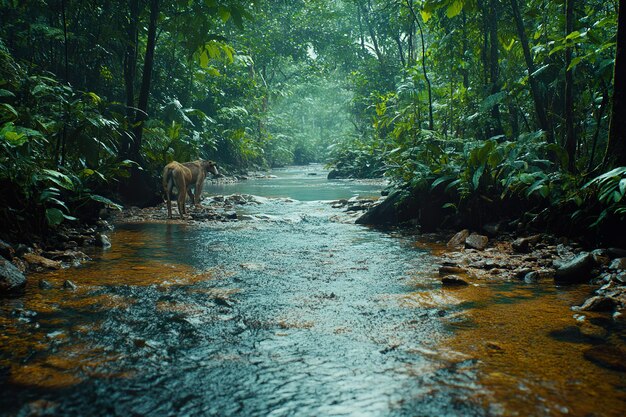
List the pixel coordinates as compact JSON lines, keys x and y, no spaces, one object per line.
{"x":479,"y":103}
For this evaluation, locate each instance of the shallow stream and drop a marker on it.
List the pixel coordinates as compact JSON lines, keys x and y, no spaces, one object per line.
{"x":297,"y":313}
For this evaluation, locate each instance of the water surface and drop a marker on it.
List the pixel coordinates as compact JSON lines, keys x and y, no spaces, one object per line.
{"x":300,"y":313}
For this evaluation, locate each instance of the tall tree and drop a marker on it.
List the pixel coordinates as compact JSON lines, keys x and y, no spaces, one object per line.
{"x":535,"y":90}
{"x":570,"y":133}
{"x":616,"y":147}
{"x":144,"y":93}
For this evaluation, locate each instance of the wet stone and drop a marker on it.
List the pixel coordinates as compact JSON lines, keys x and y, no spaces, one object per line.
{"x":598,"y":303}
{"x":524,"y":244}
{"x":11,"y":279}
{"x":458,"y":240}
{"x":45,"y":285}
{"x":450,"y":270}
{"x":575,"y":270}
{"x":476,"y":241}
{"x":69,"y":285}
{"x":618,"y":263}
{"x":38,"y":261}
{"x":453,"y":281}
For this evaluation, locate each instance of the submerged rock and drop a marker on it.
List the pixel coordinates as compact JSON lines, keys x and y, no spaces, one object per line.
{"x":575,"y":270}
{"x":11,"y":279}
{"x":607,"y":356}
{"x":458,"y":240}
{"x":476,"y":241}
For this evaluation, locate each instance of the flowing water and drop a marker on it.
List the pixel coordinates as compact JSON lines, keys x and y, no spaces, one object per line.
{"x":299,"y":313}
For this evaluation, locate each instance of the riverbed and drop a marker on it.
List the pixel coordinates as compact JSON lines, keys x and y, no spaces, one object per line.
{"x":296,"y":312}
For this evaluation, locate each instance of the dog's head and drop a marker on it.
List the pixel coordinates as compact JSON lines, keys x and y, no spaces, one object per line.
{"x":210,"y":166}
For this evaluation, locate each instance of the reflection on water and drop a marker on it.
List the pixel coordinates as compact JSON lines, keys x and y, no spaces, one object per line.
{"x":296,"y":315}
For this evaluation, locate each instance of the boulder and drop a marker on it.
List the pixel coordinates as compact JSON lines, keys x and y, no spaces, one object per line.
{"x":35,"y":260}
{"x":453,"y":281}
{"x":523,"y":244}
{"x":458,"y":240}
{"x":11,"y":279}
{"x":575,"y":270}
{"x":476,"y":241}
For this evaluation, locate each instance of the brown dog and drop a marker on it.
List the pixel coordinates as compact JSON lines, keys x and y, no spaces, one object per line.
{"x":184,"y":177}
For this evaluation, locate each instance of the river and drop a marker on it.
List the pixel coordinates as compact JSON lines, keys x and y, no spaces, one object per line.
{"x":297,"y":313}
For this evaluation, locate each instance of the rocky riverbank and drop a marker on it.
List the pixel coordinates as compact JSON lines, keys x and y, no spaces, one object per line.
{"x":497,"y":254}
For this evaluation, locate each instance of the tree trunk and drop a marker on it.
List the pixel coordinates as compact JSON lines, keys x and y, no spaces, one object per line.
{"x":494,"y":67}
{"x":616,"y":146}
{"x":465,"y":70}
{"x":570,"y":134}
{"x":431,"y":124}
{"x":144,"y":93}
{"x":538,"y":101}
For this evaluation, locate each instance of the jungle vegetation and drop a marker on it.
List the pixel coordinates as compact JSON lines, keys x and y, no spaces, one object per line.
{"x":496,"y":105}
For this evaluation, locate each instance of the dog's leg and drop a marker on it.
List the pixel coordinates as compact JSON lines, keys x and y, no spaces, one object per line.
{"x":168,"y":184}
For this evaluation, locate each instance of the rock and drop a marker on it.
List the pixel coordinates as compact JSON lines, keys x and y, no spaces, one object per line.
{"x":618,"y":263}
{"x":600,"y":257}
{"x":521,"y":273}
{"x":102,"y":241}
{"x":458,"y":240}
{"x":39,"y":261}
{"x":66,"y":256}
{"x":616,"y":252}
{"x":476,"y":241}
{"x":44,"y":284}
{"x":231,"y":215}
{"x":523,"y":244}
{"x":607,"y":356}
{"x":494,"y":347}
{"x":621,"y":277}
{"x":575,"y":270}
{"x":598,"y":303}
{"x":69,"y":285}
{"x":450,"y":270}
{"x":532,"y":277}
{"x":21,"y":249}
{"x":453,"y":281}
{"x":384,"y":213}
{"x":592,"y":331}
{"x":492,"y":229}
{"x":11,"y":279}
{"x":6,"y":250}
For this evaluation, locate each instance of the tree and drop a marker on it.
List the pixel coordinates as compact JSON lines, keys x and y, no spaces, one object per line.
{"x":616,"y":147}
